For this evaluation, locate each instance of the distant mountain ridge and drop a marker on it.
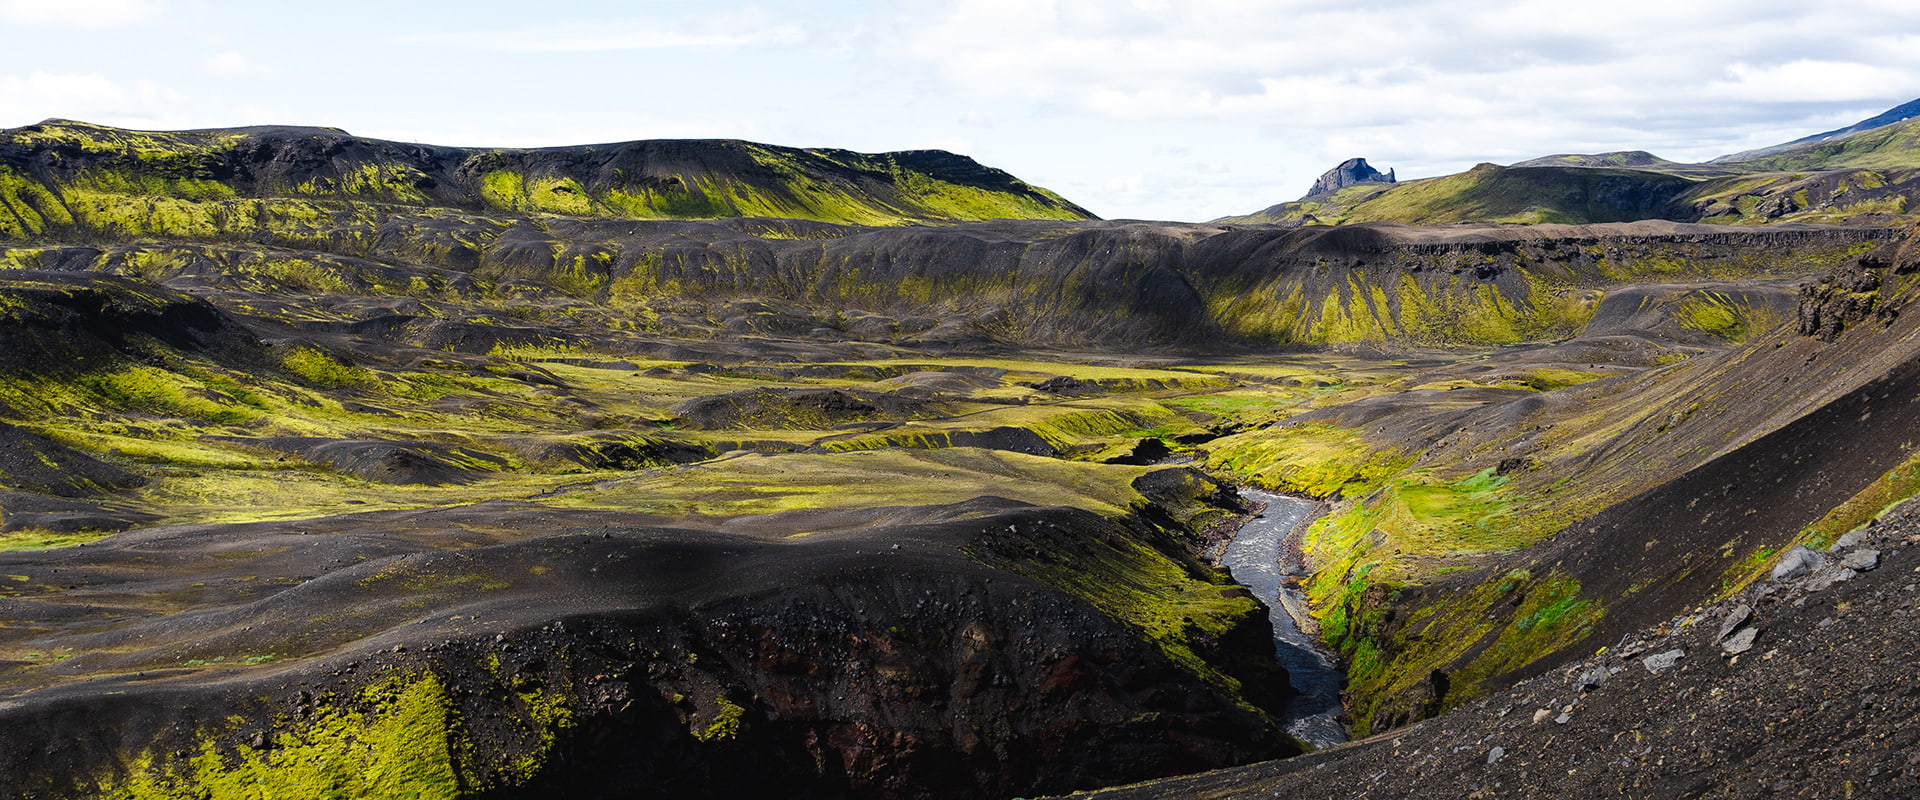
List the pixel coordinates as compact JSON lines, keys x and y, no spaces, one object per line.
{"x":1865,"y":174}
{"x":48,"y":169}
{"x":1621,"y":158}
{"x":1900,"y":113}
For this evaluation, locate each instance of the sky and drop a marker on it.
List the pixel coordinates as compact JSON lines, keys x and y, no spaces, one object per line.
{"x":1143,"y":109}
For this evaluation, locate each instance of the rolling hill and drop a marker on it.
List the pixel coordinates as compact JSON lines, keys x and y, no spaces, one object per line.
{"x":1866,"y":174}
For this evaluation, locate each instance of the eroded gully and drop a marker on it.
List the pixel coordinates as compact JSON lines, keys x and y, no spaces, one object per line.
{"x":1265,"y":557}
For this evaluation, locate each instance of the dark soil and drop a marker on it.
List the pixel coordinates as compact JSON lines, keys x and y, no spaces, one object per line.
{"x":395,"y":462}
{"x":35,"y":464}
{"x":765,"y":409}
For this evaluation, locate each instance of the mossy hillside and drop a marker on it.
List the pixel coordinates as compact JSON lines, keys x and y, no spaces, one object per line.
{"x":766,"y":483}
{"x":1490,"y":193}
{"x":1177,"y":606}
{"x":28,"y":209}
{"x":1527,"y":289}
{"x":1403,"y":309}
{"x":1523,"y":292}
{"x":638,"y":180}
{"x":1467,"y":630}
{"x":1726,"y":316}
{"x":1892,"y":146}
{"x":1072,"y":426}
{"x":1253,"y":406}
{"x":1416,"y":523}
{"x":1318,"y":460}
{"x":1834,"y":197}
{"x":1450,"y":296}
{"x":1866,"y":177}
{"x":401,"y":735}
{"x":182,"y":422}
{"x":1524,"y":195}
{"x":766,"y":181}
{"x":156,"y":418}
{"x":399,"y":738}
{"x":1389,"y":596}
{"x":1015,"y":369}
{"x":262,"y":271}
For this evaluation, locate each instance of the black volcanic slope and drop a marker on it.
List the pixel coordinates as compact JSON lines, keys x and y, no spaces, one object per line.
{"x":876,"y":659}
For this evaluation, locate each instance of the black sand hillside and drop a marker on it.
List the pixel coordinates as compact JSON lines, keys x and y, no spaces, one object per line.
{"x":874,"y":660}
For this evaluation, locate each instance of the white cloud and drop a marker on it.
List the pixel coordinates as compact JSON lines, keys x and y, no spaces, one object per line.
{"x":92,"y":98}
{"x":560,"y":40}
{"x":79,"y":13}
{"x":726,"y":30}
{"x":1425,"y":84}
{"x":1809,"y":81}
{"x":233,"y":64}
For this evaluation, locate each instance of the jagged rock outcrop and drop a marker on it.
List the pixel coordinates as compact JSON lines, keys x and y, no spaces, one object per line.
{"x":1350,"y":172}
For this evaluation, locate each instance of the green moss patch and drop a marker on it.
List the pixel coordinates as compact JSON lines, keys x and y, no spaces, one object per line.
{"x":1313,"y":459}
{"x":397,"y":739}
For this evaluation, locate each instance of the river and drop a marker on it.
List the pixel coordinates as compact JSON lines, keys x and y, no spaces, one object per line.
{"x":1255,"y":555}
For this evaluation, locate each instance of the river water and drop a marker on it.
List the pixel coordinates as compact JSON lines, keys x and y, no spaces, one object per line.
{"x":1255,"y":555}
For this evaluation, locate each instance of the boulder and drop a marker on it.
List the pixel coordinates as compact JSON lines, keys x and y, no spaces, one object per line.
{"x":1797,"y":562}
{"x":1661,"y":662}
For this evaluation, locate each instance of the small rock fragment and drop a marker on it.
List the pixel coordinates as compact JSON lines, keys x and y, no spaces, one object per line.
{"x":1740,"y":642}
{"x":1542,"y":716}
{"x":1563,"y":718}
{"x":1797,"y":562}
{"x":1861,"y":560}
{"x":1661,"y":662}
{"x":1589,"y":680}
{"x":1496,"y":754}
{"x":1853,"y":539}
{"x":1826,"y":577}
{"x":1736,"y":618}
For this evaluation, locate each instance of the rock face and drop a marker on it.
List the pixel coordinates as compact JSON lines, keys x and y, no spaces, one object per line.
{"x":1350,"y":172}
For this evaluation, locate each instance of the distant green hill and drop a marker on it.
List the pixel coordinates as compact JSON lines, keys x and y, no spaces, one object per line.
{"x":63,"y":174}
{"x":1895,"y":146}
{"x":1491,"y":193}
{"x":1858,"y":175}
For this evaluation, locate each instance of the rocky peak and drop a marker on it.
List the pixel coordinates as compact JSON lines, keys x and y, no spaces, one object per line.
{"x":1350,"y":172}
